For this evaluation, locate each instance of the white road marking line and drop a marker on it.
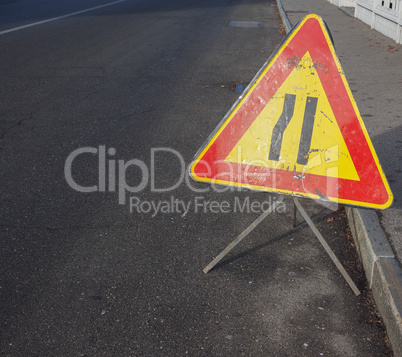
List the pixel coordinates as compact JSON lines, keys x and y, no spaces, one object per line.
{"x":59,"y":17}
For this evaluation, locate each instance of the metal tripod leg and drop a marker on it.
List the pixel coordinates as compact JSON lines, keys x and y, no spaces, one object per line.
{"x":242,"y":235}
{"x":326,"y":247}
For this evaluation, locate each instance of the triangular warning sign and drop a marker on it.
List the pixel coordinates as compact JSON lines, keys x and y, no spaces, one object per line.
{"x":297,"y":130}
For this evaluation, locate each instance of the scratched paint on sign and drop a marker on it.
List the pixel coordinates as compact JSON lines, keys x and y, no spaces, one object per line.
{"x":327,"y":153}
{"x":297,"y":130}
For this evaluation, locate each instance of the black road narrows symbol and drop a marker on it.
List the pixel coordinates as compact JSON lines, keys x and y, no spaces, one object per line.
{"x":283,"y":122}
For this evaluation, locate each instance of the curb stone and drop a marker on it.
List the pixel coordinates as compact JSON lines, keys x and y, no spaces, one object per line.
{"x":382,"y":269}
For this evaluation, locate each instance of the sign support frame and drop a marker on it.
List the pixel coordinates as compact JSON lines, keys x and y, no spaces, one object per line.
{"x":310,"y":223}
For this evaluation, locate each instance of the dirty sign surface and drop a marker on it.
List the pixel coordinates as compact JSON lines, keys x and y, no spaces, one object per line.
{"x":297,"y":130}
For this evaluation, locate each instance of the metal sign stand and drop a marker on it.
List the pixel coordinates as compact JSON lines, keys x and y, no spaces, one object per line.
{"x":311,"y":225}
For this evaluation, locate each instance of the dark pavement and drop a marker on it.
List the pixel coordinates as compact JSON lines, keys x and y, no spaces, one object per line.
{"x":81,"y":275}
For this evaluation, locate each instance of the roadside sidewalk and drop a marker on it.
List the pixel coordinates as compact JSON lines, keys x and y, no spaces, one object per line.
{"x":372,"y":64}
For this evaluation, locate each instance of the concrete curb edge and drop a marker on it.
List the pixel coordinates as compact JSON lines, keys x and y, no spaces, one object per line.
{"x":284,"y":18}
{"x":382,"y":270}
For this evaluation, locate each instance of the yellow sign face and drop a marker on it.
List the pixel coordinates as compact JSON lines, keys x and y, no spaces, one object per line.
{"x":328,"y":154}
{"x":297,"y":130}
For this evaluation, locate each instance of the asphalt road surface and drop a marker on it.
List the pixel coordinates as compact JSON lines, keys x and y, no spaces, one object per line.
{"x":113,"y":272}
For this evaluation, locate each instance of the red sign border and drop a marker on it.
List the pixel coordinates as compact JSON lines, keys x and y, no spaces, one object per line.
{"x":310,"y":35}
